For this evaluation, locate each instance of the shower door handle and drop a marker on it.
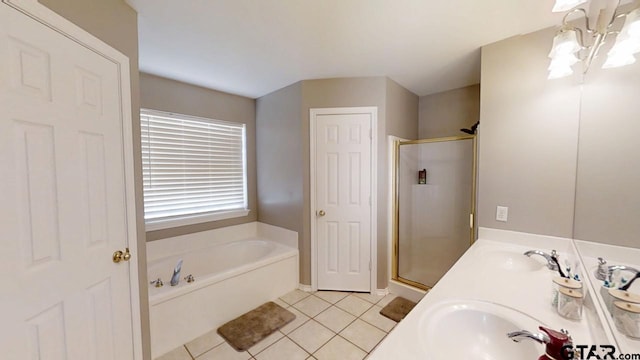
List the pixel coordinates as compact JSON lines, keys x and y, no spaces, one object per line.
{"x":321,"y":213}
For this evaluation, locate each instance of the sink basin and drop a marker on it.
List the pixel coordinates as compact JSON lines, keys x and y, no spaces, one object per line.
{"x":470,"y":330}
{"x":512,"y":261}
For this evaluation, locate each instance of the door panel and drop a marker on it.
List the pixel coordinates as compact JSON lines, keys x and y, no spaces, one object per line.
{"x":343,"y":192}
{"x":62,"y":205}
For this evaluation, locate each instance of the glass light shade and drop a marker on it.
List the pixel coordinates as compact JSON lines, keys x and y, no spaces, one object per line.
{"x":559,"y":72}
{"x":632,"y":24}
{"x":565,"y":43}
{"x":564,"y":5}
{"x":561,"y":66}
{"x":621,"y":53}
{"x":617,"y":60}
{"x":563,"y":61}
{"x":626,"y":45}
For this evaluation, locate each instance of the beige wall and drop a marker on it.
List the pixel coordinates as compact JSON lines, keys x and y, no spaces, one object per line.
{"x":528,"y":138}
{"x":279,"y":148}
{"x":284,"y":114}
{"x":158,"y":93}
{"x":444,"y":114}
{"x":115,"y":23}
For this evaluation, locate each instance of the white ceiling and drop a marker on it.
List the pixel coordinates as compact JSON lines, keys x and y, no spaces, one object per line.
{"x":253,"y":47}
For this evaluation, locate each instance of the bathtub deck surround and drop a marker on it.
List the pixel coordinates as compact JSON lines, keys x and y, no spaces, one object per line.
{"x":235,"y":270}
{"x":329,"y":325}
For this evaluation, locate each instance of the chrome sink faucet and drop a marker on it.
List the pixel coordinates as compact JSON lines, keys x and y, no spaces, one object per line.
{"x":558,"y":344}
{"x":605,"y":271}
{"x":552,"y":259}
{"x":519,"y":335}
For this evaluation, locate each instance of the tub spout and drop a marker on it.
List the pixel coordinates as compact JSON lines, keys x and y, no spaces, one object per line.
{"x":175,"y":278}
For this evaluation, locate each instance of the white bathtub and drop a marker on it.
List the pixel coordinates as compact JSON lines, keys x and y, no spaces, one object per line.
{"x":231,"y":278}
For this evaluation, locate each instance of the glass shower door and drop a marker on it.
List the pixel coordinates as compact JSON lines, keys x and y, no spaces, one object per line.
{"x":435,"y":185}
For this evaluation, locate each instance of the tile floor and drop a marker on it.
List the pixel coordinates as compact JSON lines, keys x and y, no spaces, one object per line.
{"x":329,"y":325}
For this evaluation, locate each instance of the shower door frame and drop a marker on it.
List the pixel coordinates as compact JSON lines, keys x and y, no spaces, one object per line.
{"x":396,"y":201}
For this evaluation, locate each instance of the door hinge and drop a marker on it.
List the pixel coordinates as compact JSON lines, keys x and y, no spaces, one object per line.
{"x":369,"y":265}
{"x":471,"y":221}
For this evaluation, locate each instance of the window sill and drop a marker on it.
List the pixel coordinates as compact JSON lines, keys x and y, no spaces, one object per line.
{"x":161,"y":224}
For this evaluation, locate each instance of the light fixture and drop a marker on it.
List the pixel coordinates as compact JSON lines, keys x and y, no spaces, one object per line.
{"x":572,"y":44}
{"x":564,"y":5}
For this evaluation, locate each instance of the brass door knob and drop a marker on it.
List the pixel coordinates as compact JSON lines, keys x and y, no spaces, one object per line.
{"x":321,"y":213}
{"x":121,"y":255}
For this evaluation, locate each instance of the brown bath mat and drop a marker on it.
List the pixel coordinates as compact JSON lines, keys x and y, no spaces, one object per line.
{"x":245,"y":331}
{"x":397,"y":309}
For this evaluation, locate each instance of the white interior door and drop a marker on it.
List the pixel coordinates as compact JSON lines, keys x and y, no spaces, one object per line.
{"x":343,"y":207}
{"x":63,"y":201}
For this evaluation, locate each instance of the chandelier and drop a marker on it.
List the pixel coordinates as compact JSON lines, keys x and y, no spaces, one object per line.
{"x":573,"y":44}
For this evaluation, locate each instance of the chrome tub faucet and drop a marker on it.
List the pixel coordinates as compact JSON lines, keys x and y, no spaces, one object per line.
{"x":175,"y":278}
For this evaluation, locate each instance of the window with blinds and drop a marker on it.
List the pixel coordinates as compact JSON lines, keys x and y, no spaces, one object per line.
{"x":194,"y":169}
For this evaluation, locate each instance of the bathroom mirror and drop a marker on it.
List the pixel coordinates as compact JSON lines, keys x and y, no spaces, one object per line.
{"x":607,"y":204}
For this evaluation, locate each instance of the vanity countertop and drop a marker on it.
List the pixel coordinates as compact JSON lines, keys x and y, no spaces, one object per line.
{"x":494,"y":270}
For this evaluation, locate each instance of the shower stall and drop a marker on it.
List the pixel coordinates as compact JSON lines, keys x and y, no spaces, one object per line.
{"x":434,"y":206}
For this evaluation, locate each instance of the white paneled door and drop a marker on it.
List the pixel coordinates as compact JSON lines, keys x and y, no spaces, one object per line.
{"x":63,"y":201}
{"x":343,"y":204}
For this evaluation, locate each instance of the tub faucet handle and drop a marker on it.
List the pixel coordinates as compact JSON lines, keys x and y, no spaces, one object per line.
{"x":189,"y":278}
{"x":158,"y":283}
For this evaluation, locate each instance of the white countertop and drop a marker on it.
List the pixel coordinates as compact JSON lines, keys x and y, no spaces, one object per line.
{"x":482,"y":273}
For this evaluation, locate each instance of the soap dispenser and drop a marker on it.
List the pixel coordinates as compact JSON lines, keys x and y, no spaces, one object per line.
{"x":559,"y":344}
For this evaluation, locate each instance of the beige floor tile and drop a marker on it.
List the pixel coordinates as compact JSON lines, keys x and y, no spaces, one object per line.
{"x":265,"y":343}
{"x":224,"y":351}
{"x":283,"y":349}
{"x":299,"y":320}
{"x":331,"y":296}
{"x":179,"y":353}
{"x":281,"y":303}
{"x":373,"y":317}
{"x":204,"y":343}
{"x":364,"y":335}
{"x":386,"y":300}
{"x":354,"y":305}
{"x":311,"y":306}
{"x":372,"y":298}
{"x":339,"y":348}
{"x":311,"y":336}
{"x":294,"y":296}
{"x":335,"y":318}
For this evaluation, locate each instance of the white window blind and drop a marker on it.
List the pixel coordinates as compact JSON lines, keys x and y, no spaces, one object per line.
{"x":192,"y":167}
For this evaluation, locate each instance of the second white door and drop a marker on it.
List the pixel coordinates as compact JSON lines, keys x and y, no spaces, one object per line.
{"x":343,"y":206}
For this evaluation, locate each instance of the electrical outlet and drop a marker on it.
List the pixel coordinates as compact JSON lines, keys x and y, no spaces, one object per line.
{"x":502,"y":213}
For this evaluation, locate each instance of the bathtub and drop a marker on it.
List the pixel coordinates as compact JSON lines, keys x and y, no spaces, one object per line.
{"x":231,"y":278}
